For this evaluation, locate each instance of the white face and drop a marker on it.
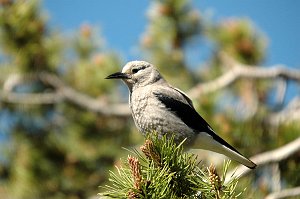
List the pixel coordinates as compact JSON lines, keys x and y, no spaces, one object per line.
{"x":138,"y":72}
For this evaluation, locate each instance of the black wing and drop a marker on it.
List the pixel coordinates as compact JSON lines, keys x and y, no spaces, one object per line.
{"x":190,"y":117}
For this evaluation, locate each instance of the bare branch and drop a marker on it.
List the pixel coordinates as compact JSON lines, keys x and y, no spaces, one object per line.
{"x":284,"y":193}
{"x":281,"y":91}
{"x":275,"y":176}
{"x":12,"y":81}
{"x":85,"y":101}
{"x":275,"y":155}
{"x":238,"y":71}
{"x":30,"y":98}
{"x":64,"y":92}
{"x":243,"y":71}
{"x":289,"y":114}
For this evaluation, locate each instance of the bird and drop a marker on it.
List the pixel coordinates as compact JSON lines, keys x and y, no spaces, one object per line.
{"x":156,"y":106}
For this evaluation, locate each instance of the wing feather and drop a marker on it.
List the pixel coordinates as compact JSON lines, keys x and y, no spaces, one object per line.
{"x":189,"y":116}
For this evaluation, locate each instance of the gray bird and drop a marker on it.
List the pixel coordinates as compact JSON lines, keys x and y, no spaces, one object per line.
{"x":156,"y":106}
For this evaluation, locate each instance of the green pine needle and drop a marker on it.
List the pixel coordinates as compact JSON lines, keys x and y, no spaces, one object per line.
{"x":166,"y":171}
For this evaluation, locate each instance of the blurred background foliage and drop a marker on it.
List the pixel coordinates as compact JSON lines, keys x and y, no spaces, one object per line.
{"x":61,"y":150}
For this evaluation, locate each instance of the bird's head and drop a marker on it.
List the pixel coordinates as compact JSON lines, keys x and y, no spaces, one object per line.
{"x":137,"y":74}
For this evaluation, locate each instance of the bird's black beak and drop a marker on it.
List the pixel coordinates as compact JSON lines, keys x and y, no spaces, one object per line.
{"x":117,"y":75}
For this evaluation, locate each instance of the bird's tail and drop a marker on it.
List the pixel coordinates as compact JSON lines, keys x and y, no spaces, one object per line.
{"x":207,"y":142}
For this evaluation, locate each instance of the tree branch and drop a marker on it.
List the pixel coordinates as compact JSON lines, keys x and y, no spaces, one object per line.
{"x":289,"y":114}
{"x":275,"y":155}
{"x":85,"y":101}
{"x":30,"y":98}
{"x":244,"y":71}
{"x":284,"y":193}
{"x":64,"y":92}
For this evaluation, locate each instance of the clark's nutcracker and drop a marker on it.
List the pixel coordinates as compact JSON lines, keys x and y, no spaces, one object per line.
{"x":156,"y":106}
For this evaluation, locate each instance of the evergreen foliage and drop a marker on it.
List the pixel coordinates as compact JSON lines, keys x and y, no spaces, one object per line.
{"x":164,"y":170}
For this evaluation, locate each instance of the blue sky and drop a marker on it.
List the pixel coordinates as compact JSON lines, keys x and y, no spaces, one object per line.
{"x":122,"y":22}
{"x":278,"y":20}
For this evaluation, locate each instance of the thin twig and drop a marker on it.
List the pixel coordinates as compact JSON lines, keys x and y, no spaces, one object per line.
{"x":284,"y":193}
{"x":290,"y":113}
{"x":275,"y":155}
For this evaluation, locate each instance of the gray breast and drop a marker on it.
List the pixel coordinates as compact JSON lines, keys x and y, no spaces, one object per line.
{"x":150,"y":115}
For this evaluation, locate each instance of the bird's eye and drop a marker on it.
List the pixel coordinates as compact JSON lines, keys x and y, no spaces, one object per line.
{"x":134,"y":70}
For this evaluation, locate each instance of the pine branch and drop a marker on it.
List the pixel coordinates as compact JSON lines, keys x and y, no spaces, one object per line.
{"x":164,"y":170}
